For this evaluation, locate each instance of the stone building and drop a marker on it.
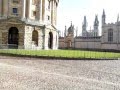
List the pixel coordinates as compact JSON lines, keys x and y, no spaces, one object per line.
{"x":28,"y":24}
{"x":109,"y":40}
{"x":90,"y":33}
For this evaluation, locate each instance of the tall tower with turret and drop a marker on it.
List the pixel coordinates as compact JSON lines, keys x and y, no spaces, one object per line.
{"x":84,"y":27}
{"x":96,"y":25}
{"x":103,"y":18}
{"x":103,"y":26}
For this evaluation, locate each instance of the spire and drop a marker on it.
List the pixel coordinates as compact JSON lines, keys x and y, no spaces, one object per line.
{"x":85,"y":22}
{"x":84,"y":26}
{"x":71,"y":23}
{"x":103,"y":12}
{"x":103,"y":18}
{"x":65,"y":32}
{"x":118,"y":18}
{"x":96,"y":22}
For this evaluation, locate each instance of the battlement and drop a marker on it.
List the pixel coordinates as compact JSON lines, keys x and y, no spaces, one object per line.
{"x":110,"y":24}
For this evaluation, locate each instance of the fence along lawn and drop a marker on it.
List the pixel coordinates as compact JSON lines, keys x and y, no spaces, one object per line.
{"x":63,"y":53}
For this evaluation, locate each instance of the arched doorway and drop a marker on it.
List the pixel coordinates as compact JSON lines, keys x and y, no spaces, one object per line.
{"x":13,"y":38}
{"x":69,"y":44}
{"x":50,"y":40}
{"x":35,"y":37}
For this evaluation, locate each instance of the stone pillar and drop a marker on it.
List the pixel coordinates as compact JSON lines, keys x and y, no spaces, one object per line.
{"x":28,"y":37}
{"x":21,"y":40}
{"x":46,"y":34}
{"x":27,"y":11}
{"x":54,"y":39}
{"x":40,"y":11}
{"x":5,"y":37}
{"x":5,"y":7}
{"x":40,"y":39}
{"x":23,"y":9}
{"x":43,"y":38}
{"x":55,"y":13}
{"x":0,"y":8}
{"x":52,"y":12}
{"x":43,"y":10}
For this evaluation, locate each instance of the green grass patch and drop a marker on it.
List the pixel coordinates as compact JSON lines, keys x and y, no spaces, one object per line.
{"x":75,"y":54}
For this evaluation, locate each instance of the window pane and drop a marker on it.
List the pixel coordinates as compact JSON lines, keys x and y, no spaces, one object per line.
{"x":14,"y":10}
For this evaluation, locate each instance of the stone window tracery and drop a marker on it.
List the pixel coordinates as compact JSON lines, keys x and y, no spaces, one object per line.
{"x":110,"y":35}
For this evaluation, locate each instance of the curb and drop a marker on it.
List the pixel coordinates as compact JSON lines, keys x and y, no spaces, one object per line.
{"x":55,"y":58}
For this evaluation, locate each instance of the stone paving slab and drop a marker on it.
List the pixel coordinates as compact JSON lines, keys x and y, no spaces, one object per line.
{"x":36,"y":74}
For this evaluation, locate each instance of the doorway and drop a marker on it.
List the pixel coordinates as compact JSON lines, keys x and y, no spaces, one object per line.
{"x":13,"y":38}
{"x":50,"y":40}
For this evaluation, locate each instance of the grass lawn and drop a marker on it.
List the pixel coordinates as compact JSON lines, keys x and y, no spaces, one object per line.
{"x":63,"y":53}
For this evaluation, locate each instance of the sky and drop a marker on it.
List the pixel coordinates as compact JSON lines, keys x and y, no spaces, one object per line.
{"x":75,"y":10}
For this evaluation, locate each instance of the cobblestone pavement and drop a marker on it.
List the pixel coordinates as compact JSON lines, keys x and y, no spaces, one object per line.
{"x":38,"y":74}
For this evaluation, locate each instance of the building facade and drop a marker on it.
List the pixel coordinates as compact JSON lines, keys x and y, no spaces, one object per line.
{"x":109,"y":40}
{"x":28,"y":24}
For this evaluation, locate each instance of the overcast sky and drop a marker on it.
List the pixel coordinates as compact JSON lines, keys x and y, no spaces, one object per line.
{"x":74,"y":10}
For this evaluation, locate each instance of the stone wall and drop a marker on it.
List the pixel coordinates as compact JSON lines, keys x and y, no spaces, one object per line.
{"x":29,"y":44}
{"x":88,"y":43}
{"x":25,"y":32}
{"x":55,"y":33}
{"x":4,"y":29}
{"x":81,"y":43}
{"x":110,"y":46}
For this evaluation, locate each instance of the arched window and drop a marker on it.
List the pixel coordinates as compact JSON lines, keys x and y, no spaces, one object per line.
{"x":35,"y":37}
{"x":110,"y":35}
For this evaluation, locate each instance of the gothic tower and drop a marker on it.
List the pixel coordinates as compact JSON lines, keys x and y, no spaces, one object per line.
{"x":103,"y":26}
{"x":96,"y":25}
{"x":84,"y":27}
{"x":103,"y":18}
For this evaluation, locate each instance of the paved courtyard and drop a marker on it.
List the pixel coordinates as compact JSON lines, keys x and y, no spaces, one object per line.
{"x":40,"y":74}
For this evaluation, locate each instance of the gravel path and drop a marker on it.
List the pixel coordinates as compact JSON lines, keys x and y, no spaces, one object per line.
{"x":37,"y":74}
